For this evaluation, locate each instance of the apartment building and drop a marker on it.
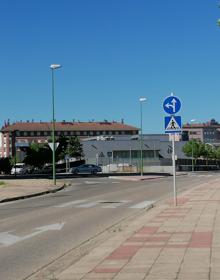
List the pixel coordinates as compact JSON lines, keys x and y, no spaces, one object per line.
{"x":21,"y":134}
{"x":208,"y":132}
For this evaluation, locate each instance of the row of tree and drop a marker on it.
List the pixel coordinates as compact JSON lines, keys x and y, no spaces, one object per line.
{"x":39,"y":154}
{"x":197,"y":149}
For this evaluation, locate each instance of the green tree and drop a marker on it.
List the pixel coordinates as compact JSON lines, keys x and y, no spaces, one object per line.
{"x":38,"y":154}
{"x":218,"y":153}
{"x":5,"y":165}
{"x":61,"y":149}
{"x":208,"y":152}
{"x":74,"y":148}
{"x":193,"y":148}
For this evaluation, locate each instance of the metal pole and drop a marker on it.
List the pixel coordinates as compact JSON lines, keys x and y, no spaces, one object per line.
{"x":174,"y":170}
{"x":192,"y":156}
{"x":53,"y":129}
{"x":15,"y":152}
{"x":141,"y":155}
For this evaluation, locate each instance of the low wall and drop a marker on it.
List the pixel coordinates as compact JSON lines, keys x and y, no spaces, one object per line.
{"x":114,"y":168}
{"x":158,"y":169}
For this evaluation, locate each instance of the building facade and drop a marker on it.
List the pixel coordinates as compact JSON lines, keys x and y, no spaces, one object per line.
{"x":205,"y":132}
{"x":22,"y":134}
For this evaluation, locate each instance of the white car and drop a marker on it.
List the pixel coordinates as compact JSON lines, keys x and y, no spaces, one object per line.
{"x":19,"y":168}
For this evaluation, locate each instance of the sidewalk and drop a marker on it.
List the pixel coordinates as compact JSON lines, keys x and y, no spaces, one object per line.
{"x":136,"y":178}
{"x":164,"y":243}
{"x":12,"y":189}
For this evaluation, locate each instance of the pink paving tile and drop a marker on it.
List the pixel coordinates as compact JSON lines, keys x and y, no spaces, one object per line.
{"x":201,"y":239}
{"x":163,"y":233}
{"x":206,"y":200}
{"x":106,"y":270}
{"x":180,"y":200}
{"x":124,"y":252}
{"x":148,"y":230}
{"x":199,"y":245}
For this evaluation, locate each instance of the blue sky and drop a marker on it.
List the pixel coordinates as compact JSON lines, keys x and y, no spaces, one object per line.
{"x":113,"y":52}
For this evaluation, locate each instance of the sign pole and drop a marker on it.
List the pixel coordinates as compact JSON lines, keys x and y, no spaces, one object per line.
{"x":171,"y":106}
{"x":174,"y":170}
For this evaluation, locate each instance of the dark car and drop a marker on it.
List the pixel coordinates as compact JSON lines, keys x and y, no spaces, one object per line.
{"x":86,"y":169}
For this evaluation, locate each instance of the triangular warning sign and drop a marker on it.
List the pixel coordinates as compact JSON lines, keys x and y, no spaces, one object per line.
{"x":56,"y":144}
{"x":172,"y":125}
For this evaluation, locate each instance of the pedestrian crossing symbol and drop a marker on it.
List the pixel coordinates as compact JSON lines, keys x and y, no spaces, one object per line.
{"x":173,"y":124}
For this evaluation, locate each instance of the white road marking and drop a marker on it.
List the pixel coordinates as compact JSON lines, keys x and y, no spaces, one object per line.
{"x":115,"y":204}
{"x":142,"y":204}
{"x":93,"y":182}
{"x":107,"y":204}
{"x":8,"y":239}
{"x":70,"y":203}
{"x":87,"y":205}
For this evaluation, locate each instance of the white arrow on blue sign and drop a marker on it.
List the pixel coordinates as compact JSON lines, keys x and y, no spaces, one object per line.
{"x":171,"y":105}
{"x":173,"y":124}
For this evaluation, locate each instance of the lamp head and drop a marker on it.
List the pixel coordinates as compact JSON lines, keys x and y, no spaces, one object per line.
{"x":193,"y":120}
{"x":142,"y":99}
{"x":55,"y":66}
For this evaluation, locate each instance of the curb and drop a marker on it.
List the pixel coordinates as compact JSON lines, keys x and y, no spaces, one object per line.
{"x":32,"y":195}
{"x":133,"y":179}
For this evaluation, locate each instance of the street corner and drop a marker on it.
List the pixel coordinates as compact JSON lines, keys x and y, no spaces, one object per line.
{"x":136,"y":178}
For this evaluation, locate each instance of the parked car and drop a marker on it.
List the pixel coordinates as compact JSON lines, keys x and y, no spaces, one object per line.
{"x":20,"y":168}
{"x":86,"y":169}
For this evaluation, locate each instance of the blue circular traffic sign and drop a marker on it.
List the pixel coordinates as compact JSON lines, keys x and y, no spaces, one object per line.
{"x":171,"y":105}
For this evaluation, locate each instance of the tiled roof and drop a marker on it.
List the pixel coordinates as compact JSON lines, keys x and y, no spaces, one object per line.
{"x":69,"y":126}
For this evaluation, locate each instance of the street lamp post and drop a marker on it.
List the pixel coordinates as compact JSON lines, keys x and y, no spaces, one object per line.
{"x":193,"y":120}
{"x":142,"y":99}
{"x":53,"y":67}
{"x":15,"y":148}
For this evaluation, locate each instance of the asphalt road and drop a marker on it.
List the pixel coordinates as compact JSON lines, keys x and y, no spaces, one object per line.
{"x":35,"y":232}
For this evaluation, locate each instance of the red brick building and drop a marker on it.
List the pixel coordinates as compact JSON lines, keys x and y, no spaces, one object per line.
{"x":21,"y":134}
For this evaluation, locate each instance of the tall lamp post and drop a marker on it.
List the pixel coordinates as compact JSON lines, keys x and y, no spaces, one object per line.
{"x":142,"y":99}
{"x":53,"y":67}
{"x":14,"y":148}
{"x":192,"y":121}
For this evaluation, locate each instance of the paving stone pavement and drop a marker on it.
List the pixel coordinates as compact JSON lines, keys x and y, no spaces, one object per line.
{"x":165,"y":243}
{"x":13,"y":189}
